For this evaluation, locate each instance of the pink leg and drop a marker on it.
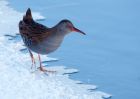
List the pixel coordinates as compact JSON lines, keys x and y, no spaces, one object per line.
{"x":41,"y":67}
{"x":33,"y":60}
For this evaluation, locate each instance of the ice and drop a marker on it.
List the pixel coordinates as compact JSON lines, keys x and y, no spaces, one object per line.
{"x":5,"y":13}
{"x":16,"y":79}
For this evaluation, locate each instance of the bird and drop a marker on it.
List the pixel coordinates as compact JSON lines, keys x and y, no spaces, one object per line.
{"x":41,"y":39}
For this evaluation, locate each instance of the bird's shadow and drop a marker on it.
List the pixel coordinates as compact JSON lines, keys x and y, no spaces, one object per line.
{"x":14,"y":38}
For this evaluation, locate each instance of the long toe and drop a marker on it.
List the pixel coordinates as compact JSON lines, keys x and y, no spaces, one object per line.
{"x":45,"y":70}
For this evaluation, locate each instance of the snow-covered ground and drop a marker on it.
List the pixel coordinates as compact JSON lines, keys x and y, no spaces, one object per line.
{"x":16,"y":79}
{"x":111,"y":47}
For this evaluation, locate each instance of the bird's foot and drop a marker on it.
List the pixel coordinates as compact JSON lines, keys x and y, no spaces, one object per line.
{"x":44,"y":70}
{"x":33,"y":66}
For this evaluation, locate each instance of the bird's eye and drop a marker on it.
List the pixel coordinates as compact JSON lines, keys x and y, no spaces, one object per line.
{"x":69,"y":26}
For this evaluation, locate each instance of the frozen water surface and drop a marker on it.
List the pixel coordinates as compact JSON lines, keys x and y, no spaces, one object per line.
{"x":16,"y":79}
{"x":109,"y":55}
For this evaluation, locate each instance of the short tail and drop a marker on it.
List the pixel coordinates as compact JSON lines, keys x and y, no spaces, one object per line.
{"x":28,"y":16}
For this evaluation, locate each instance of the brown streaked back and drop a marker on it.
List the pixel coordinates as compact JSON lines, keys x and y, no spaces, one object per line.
{"x":31,"y":29}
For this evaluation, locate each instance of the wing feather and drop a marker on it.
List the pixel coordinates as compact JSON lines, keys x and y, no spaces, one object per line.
{"x":32,"y":30}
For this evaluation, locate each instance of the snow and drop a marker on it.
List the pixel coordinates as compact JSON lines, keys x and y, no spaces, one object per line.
{"x":14,"y":17}
{"x":16,"y":79}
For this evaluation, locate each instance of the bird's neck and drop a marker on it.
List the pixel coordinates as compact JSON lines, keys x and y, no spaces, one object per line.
{"x":60,"y":30}
{"x":56,"y":35}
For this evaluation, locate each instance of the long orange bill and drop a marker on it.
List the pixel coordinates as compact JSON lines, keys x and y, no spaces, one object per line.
{"x":77,"y":30}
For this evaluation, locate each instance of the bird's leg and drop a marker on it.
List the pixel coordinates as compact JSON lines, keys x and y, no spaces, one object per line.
{"x":41,"y":67}
{"x":33,"y":60}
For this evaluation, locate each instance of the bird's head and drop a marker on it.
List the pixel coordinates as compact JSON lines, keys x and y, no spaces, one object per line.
{"x":67,"y":27}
